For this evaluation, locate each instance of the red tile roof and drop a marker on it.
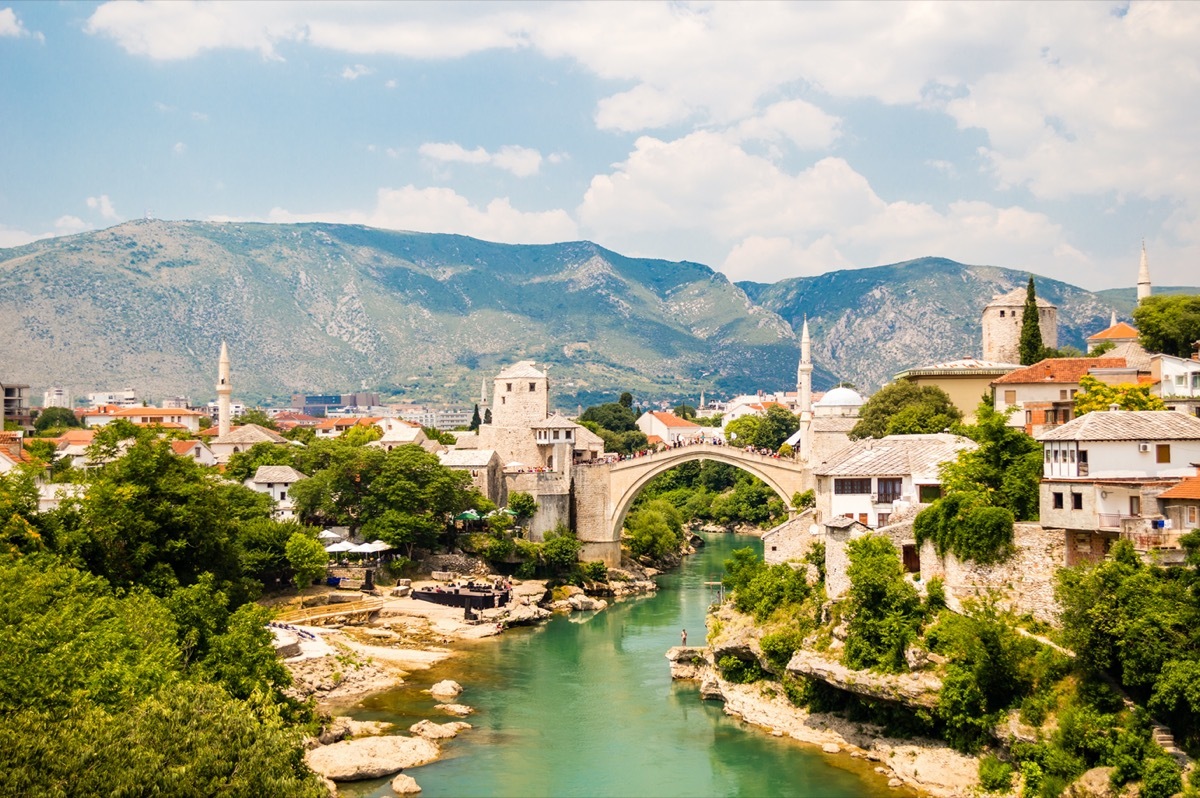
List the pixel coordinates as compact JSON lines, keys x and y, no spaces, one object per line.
{"x":1187,"y":489}
{"x":672,"y":420}
{"x":1059,"y":369}
{"x":1118,"y":331}
{"x":185,"y":447}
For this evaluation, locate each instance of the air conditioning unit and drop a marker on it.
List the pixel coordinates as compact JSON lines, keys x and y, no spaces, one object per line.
{"x":1143,"y":447}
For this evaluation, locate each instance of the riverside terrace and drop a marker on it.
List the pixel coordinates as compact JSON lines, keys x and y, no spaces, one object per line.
{"x":470,"y":595}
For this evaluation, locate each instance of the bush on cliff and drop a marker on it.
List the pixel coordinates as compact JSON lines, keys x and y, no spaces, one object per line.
{"x":961,"y":524}
{"x":884,"y":608}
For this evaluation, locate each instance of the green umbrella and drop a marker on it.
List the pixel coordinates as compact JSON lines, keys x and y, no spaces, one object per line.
{"x":469,"y":515}
{"x":509,"y":512}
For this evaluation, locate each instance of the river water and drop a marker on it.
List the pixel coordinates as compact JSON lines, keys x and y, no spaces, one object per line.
{"x":585,"y":706}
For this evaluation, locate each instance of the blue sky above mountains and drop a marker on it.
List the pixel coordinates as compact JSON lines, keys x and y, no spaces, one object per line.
{"x":765,"y":140}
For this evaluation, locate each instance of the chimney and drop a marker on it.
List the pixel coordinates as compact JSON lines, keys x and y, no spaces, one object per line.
{"x":1114,"y":406}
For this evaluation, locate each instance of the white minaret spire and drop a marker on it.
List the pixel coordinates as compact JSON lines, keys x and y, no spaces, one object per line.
{"x":1143,"y":285}
{"x":483,"y":392}
{"x":224,"y":389}
{"x":804,"y":393}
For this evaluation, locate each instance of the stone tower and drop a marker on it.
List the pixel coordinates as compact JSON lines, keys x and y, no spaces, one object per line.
{"x":224,"y":390}
{"x":804,"y":393}
{"x":1002,"y":326}
{"x":1143,"y":287}
{"x":520,"y":396}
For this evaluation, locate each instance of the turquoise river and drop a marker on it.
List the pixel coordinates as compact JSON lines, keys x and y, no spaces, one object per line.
{"x":585,"y":706}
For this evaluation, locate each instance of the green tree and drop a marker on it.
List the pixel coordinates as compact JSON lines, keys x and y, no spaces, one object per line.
{"x":560,"y":550}
{"x":884,"y":609}
{"x":476,"y":420}
{"x":614,"y":416}
{"x":1096,"y":395}
{"x":685,"y":411}
{"x":626,"y":400}
{"x":655,"y":529}
{"x":54,"y":417}
{"x":903,"y":408}
{"x":743,"y":431}
{"x":256,"y":415}
{"x":1030,"y":345}
{"x":307,"y":558}
{"x":523,"y":504}
{"x":1169,"y":324}
{"x":362,"y":434}
{"x":243,"y":465}
{"x":1003,"y":471}
{"x":413,"y":497}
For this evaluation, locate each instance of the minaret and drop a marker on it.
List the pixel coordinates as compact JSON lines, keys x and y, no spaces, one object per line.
{"x":1113,"y":321}
{"x":483,"y":392}
{"x":701,"y":407}
{"x":224,"y":389}
{"x":1143,"y":275}
{"x":804,"y":393}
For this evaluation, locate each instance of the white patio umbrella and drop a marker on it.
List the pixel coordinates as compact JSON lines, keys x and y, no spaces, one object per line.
{"x":361,"y":548}
{"x":379,"y":545}
{"x":339,"y":547}
{"x":328,"y":534}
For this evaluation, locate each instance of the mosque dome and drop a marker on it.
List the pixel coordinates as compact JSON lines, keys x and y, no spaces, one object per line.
{"x":840,"y":397}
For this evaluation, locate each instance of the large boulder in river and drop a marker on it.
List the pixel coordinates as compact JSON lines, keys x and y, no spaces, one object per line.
{"x":461,"y":710}
{"x":447,"y":688}
{"x":405,"y":785}
{"x":438,"y":731}
{"x":370,"y":757}
{"x":582,"y":603}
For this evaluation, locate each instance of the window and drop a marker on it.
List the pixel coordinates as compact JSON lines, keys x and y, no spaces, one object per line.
{"x":1192,"y":513}
{"x":1196,"y":380}
{"x":282,"y":495}
{"x":1058,"y":500}
{"x":1162,"y":453}
{"x":851,"y":486}
{"x":1010,"y":397}
{"x":862,"y":518}
{"x":929,"y":493}
{"x":1047,"y":453}
{"x":1062,"y":395}
{"x":1180,"y":380}
{"x":1135,"y":505}
{"x":889,"y":488}
{"x":883,"y":519}
{"x":555,"y":434}
{"x":533,"y":386}
{"x":1076,"y":501}
{"x":508,"y":387}
{"x":503,"y":399}
{"x":1028,"y":416}
{"x":1072,"y":455}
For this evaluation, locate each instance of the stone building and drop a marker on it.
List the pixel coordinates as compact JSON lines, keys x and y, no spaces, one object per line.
{"x":1002,"y":326}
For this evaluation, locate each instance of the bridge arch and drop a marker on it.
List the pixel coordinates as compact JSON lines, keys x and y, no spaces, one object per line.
{"x":628,"y":477}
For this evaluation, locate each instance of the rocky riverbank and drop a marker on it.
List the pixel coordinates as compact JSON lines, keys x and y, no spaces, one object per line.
{"x":928,"y":766}
{"x":342,"y":664}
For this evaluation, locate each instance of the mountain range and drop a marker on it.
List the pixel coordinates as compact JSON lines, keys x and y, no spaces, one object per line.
{"x":428,"y":317}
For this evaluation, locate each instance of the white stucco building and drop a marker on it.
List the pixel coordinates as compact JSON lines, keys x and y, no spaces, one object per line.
{"x":276,"y":481}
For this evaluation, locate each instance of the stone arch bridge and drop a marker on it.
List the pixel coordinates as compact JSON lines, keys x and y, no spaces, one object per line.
{"x":605,"y":492}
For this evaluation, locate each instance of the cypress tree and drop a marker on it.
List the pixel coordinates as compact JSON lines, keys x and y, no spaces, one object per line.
{"x":1031,"y":331}
{"x":475,"y":420}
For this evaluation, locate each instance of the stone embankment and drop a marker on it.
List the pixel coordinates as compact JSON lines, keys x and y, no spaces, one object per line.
{"x":929,"y":766}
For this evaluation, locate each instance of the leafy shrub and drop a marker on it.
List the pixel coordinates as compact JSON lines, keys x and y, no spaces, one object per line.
{"x":739,"y":671}
{"x":594,"y":571}
{"x":961,"y":523}
{"x":885,"y":611}
{"x":780,"y":646}
{"x":499,"y":549}
{"x":1161,"y":778}
{"x":561,"y":550}
{"x":1031,"y":774}
{"x":526,"y":570}
{"x":935,"y":595}
{"x":995,"y":775}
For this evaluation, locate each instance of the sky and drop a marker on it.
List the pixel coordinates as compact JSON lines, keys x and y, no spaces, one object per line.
{"x":764,"y":140}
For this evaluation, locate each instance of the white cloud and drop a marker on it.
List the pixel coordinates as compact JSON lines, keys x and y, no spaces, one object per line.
{"x":199,"y":116}
{"x":641,"y":108}
{"x":180,"y":148}
{"x":357,"y":71}
{"x":802,"y":123}
{"x":705,"y":198}
{"x":520,"y":161}
{"x":442,"y":210}
{"x":104,"y":206}
{"x":68,"y":225}
{"x":11,"y":26}
{"x":390,"y":84}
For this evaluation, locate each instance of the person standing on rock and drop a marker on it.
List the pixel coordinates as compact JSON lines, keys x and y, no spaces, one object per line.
{"x":684,"y":637}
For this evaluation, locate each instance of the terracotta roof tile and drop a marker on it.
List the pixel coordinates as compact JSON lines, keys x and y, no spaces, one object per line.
{"x":1120,"y":330}
{"x":1059,"y":369}
{"x":672,"y":420}
{"x":1187,"y":489}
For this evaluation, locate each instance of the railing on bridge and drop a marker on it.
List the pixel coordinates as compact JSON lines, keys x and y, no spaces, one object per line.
{"x":735,"y":451}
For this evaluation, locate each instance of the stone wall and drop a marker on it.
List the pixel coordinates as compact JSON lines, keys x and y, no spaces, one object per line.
{"x":590,"y":515}
{"x":1024,"y":582}
{"x":791,"y":540}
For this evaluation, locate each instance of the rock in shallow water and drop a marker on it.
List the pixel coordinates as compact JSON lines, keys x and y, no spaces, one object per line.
{"x":370,"y":757}
{"x":405,"y":785}
{"x":446,"y":689}
{"x":461,"y":710}
{"x":438,"y":731}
